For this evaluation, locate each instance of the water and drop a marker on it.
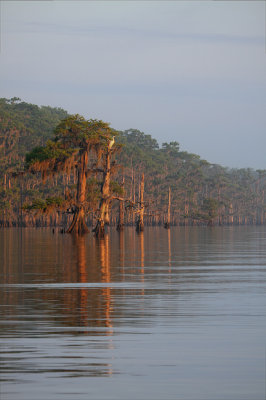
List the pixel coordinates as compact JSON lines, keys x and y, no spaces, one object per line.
{"x":166,"y":314}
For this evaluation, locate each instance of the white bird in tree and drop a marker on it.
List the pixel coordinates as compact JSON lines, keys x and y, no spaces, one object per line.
{"x":111,"y":142}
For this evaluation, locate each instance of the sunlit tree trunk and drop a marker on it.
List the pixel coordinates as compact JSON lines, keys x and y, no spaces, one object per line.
{"x":107,"y":214}
{"x":231,"y":217}
{"x":133,"y":198}
{"x":186,"y":212}
{"x":105,"y":199}
{"x":121,"y":222}
{"x":5,"y":180}
{"x":140,"y":221}
{"x":167,"y":223}
{"x":78,"y":224}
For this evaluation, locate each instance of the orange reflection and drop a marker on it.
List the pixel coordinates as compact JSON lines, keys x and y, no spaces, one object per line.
{"x":122,"y":253}
{"x":82,"y":278}
{"x":106,"y":278}
{"x":169,"y":251}
{"x":8,"y":268}
{"x":104,"y":247}
{"x":142,"y":255}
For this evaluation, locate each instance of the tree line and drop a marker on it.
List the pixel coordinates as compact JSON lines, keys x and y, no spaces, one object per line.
{"x":63,"y":170}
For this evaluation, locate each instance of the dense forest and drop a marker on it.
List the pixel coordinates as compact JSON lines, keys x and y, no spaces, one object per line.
{"x":65,"y":171}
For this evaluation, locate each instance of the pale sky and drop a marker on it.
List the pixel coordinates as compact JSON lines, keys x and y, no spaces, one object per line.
{"x":186,"y":71}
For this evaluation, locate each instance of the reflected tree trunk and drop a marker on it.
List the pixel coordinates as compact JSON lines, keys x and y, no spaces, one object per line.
{"x":106,"y":278}
{"x":169,"y":251}
{"x":83,"y":278}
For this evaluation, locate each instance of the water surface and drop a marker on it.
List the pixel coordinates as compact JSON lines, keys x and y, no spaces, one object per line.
{"x":165,"y":314}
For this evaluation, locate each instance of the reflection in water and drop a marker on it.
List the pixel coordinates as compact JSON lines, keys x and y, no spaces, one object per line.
{"x":106,"y":278}
{"x":122,"y":254}
{"x":92,"y":307}
{"x":106,"y":291}
{"x":79,"y":242}
{"x":141,"y":237}
{"x":165,"y":314}
{"x":142,"y":261}
{"x":169,"y":250}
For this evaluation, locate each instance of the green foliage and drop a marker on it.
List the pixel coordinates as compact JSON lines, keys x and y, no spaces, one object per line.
{"x":210,"y":208}
{"x":54,"y":201}
{"x":44,"y":205}
{"x":52,"y":151}
{"x":116,"y":188}
{"x":171,"y":149}
{"x":37,"y":204}
{"x":77,"y":132}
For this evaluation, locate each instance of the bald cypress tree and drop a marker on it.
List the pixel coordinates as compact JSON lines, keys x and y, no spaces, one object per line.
{"x":78,"y":145}
{"x":108,"y":167}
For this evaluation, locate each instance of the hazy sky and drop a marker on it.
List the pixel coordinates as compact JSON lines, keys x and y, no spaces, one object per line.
{"x":186,"y":71}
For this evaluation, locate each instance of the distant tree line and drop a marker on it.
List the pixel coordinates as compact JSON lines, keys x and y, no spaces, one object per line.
{"x":63,"y":170}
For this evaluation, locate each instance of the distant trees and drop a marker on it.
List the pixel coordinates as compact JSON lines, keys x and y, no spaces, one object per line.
{"x":91,"y":182}
{"x":210,"y":210}
{"x":22,"y":126}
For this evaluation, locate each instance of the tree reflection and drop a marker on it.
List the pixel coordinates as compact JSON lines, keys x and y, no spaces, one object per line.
{"x":88,"y":305}
{"x":104,"y":248}
{"x":82,"y":278}
{"x":169,"y":250}
{"x":142,"y":260}
{"x":122,"y":253}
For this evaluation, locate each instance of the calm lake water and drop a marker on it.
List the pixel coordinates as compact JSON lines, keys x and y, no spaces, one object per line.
{"x":166,"y":314}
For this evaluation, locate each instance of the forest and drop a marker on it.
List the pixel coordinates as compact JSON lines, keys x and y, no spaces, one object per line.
{"x":76,"y":175}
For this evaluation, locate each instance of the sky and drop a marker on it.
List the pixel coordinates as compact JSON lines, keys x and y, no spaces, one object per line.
{"x":187,"y":71}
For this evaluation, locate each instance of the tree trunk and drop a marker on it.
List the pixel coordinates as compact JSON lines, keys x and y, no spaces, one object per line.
{"x":105,"y":200}
{"x":107,"y":214}
{"x":78,"y":224}
{"x":5,"y":180}
{"x":231,"y":217}
{"x":140,"y":221}
{"x":121,"y":222}
{"x":167,"y":223}
{"x":186,"y":212}
{"x":133,"y":197}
